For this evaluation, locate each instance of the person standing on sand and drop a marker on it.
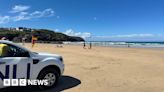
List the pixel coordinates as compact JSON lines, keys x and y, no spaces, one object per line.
{"x":23,"y":40}
{"x":128,"y":45}
{"x":84,"y":45}
{"x":90,"y":45}
{"x":33,"y":41}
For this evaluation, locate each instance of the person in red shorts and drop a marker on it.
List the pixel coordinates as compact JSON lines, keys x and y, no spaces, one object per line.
{"x":34,"y":39}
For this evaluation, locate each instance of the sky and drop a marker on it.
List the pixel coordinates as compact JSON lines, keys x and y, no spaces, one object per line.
{"x":98,"y":20}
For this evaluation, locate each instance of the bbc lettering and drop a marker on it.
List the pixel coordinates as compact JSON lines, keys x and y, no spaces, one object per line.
{"x":14,"y":82}
{"x":23,"y":82}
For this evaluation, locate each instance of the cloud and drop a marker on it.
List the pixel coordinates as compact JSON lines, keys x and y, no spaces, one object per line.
{"x":129,"y":36}
{"x":35,"y":14}
{"x":44,"y":13}
{"x":22,"y":14}
{"x":58,"y":17}
{"x":4,"y":19}
{"x":71,"y":32}
{"x":134,"y":35}
{"x":19,"y":8}
{"x":56,"y":30}
{"x":95,"y":18}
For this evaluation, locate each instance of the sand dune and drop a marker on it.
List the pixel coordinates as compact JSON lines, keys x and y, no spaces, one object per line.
{"x":105,"y":69}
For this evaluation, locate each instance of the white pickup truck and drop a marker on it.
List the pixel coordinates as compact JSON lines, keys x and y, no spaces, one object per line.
{"x":16,"y":62}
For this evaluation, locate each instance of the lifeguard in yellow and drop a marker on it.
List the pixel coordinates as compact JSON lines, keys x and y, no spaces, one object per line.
{"x":4,"y":50}
{"x":34,"y":39}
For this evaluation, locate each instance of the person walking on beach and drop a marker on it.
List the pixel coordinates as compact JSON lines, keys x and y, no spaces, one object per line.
{"x":90,"y":45}
{"x":128,"y":45}
{"x":23,"y":40}
{"x":84,"y":45}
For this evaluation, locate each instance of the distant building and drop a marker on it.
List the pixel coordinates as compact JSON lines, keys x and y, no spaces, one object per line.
{"x":22,"y":29}
{"x":19,"y":29}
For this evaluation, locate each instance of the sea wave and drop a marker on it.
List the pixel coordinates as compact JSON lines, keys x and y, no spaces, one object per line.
{"x":121,"y":44}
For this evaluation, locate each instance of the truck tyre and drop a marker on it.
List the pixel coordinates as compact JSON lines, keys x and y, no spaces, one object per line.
{"x":49,"y":74}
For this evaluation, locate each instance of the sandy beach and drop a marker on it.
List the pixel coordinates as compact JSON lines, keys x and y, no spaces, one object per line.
{"x":105,"y":69}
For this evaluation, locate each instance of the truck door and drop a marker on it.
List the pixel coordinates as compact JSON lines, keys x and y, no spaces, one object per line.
{"x":15,"y":63}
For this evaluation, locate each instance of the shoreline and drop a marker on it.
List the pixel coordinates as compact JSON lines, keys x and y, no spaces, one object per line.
{"x":153,"y":48}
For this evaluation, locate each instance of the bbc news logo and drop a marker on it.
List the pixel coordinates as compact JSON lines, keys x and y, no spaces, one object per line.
{"x":23,"y":82}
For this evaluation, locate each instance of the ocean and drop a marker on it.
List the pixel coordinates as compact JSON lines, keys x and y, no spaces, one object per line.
{"x":121,"y":44}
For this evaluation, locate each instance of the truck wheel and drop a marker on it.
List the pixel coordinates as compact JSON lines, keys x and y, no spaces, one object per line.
{"x":51,"y":75}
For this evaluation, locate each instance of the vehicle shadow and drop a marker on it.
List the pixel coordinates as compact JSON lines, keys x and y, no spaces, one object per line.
{"x":65,"y":82}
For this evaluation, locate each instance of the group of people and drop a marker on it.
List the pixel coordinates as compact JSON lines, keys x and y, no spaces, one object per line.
{"x":33,"y":40}
{"x":90,"y":45}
